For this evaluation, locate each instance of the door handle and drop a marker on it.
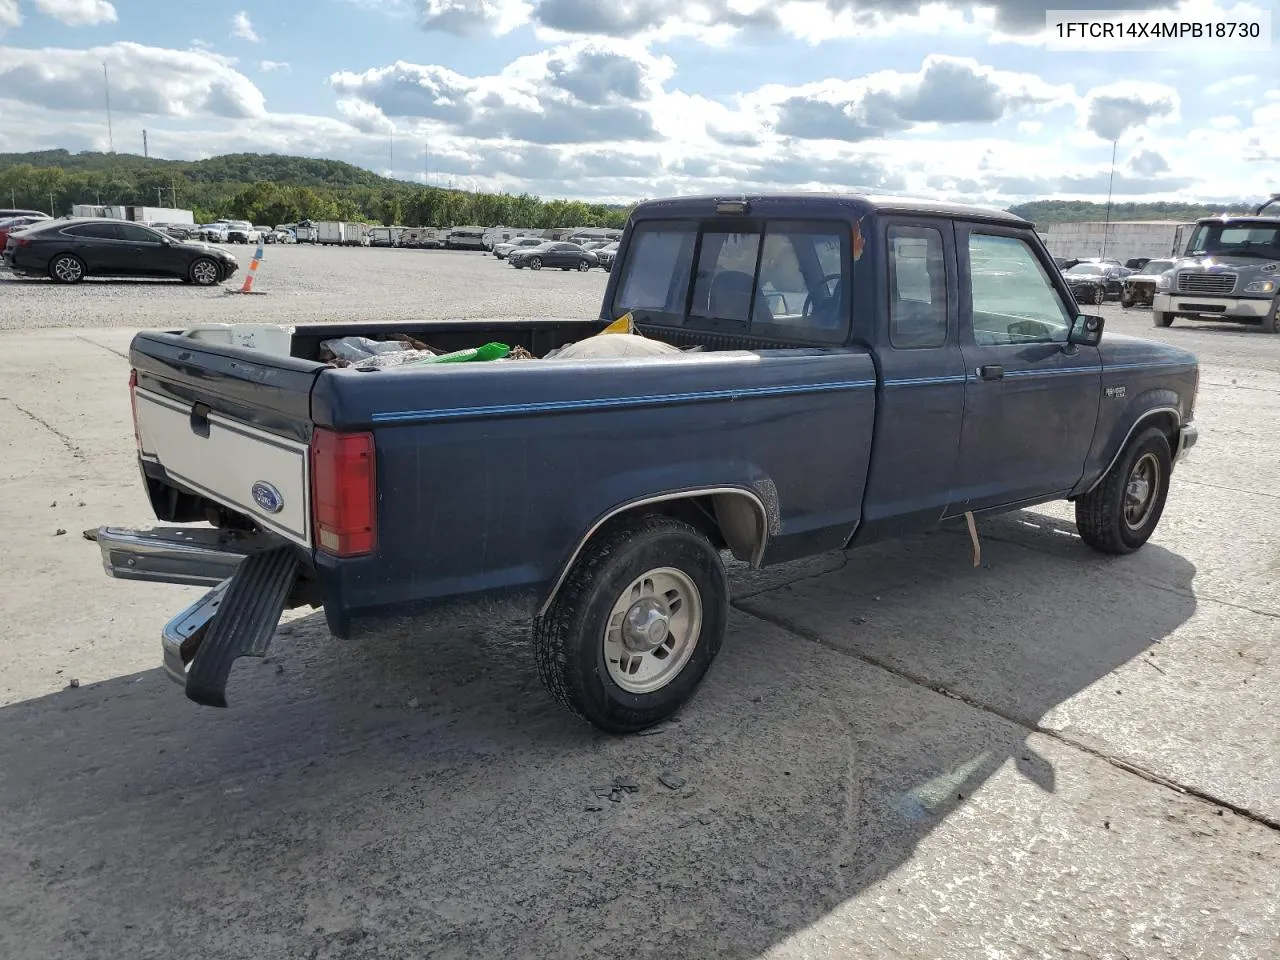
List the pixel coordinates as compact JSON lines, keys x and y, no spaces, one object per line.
{"x":200,"y":419}
{"x":991,"y":372}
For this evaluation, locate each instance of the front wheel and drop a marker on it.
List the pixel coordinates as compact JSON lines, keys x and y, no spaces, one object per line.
{"x":1100,"y":296}
{"x":535,"y":263}
{"x":1159,"y":319}
{"x":1121,"y":513}
{"x":584,"y":266}
{"x":1126,"y":301}
{"x":204,"y":272}
{"x":636,"y":624}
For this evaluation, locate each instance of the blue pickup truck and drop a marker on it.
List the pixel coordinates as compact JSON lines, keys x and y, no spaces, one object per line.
{"x":825,"y":372}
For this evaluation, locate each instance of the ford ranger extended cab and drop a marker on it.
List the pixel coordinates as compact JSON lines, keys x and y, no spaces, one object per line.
{"x":837,"y":370}
{"x":1229,"y":272}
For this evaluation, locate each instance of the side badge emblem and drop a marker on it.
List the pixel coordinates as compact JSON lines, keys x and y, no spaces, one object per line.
{"x":267,"y":497}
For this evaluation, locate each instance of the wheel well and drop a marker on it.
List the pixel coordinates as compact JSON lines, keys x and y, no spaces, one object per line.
{"x":1168,"y":424}
{"x":731,"y":519}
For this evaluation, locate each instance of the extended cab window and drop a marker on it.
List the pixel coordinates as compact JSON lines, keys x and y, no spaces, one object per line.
{"x":1014,"y":301}
{"x":785,"y":280}
{"x":917,"y":288}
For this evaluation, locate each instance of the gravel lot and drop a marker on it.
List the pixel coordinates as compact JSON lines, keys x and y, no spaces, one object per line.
{"x":896,"y":755}
{"x":310,"y":284}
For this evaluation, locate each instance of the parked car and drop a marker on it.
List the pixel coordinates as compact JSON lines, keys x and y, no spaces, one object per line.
{"x":1095,"y":282}
{"x":266,"y":234}
{"x":1230,"y":271}
{"x":503,"y":250}
{"x":606,"y":254}
{"x":1137,"y":263}
{"x":16,"y":224}
{"x":1140,"y":286}
{"x":552,"y":253}
{"x":212,"y":232}
{"x":241,"y":231}
{"x":852,"y":388}
{"x":69,"y":250}
{"x":9,"y":213}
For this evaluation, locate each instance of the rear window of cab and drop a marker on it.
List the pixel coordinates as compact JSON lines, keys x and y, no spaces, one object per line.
{"x":778,"y":279}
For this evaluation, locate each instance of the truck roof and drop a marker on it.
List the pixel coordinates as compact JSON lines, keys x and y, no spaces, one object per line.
{"x":779,"y":202}
{"x":1243,"y":218}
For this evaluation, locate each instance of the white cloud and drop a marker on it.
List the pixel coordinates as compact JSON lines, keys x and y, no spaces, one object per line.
{"x":242,"y":28}
{"x":1224,"y":123}
{"x":144,"y":80}
{"x":1230,"y":83}
{"x":1113,"y":110}
{"x":10,"y":15}
{"x":78,"y":13}
{"x":270,"y":66}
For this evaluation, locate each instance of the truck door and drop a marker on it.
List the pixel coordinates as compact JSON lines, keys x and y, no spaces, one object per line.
{"x":1031,"y":399}
{"x":920,"y":406}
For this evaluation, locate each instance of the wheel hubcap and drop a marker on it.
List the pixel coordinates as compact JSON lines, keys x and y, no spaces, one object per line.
{"x":652,"y":630}
{"x":1141,"y":491}
{"x":67,"y":270}
{"x":204,"y":273}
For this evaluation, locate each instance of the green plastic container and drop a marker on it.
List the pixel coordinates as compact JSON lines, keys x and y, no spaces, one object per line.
{"x":488,"y":351}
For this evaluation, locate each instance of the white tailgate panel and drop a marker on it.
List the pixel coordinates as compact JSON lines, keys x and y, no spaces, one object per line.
{"x":226,"y":464}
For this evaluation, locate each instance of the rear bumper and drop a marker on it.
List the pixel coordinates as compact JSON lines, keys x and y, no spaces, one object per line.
{"x":1212,"y":308}
{"x":197,"y":558}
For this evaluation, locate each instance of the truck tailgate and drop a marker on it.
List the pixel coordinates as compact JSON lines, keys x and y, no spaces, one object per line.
{"x":230,"y":424}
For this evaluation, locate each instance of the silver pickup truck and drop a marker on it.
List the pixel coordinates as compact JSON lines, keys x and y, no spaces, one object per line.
{"x":1229,"y":271}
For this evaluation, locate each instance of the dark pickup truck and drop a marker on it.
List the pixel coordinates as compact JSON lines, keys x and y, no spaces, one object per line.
{"x":840,"y":370}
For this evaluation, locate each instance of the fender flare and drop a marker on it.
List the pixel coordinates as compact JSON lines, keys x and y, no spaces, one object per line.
{"x":1163,"y":409}
{"x":729,"y":501}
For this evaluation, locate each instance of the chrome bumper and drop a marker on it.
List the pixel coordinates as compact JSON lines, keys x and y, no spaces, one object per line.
{"x":1228,"y":308}
{"x":199,"y":558}
{"x":181,"y":636}
{"x":1187,"y":437}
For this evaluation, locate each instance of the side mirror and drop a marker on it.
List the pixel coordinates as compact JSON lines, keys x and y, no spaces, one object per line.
{"x":1086,"y":331}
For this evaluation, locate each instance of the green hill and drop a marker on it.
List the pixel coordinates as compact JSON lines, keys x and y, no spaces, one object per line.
{"x":271,"y":189}
{"x":1044,"y":213}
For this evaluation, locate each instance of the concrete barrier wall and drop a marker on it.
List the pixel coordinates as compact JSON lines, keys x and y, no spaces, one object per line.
{"x":1123,"y":239}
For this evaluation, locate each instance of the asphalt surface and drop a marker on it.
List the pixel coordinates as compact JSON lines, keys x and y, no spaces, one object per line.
{"x":312,"y":284}
{"x":896,"y":754}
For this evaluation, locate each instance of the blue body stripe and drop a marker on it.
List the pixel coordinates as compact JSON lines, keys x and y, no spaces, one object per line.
{"x":666,"y":399}
{"x":569,"y":406}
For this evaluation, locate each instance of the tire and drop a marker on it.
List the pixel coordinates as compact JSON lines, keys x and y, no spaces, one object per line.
{"x":1100,"y":296}
{"x":535,"y":263}
{"x":573,"y":641}
{"x":1126,"y":301}
{"x":1108,"y":518}
{"x":1159,"y":319}
{"x":203,"y":272}
{"x":1271,"y":324}
{"x":584,"y":266}
{"x":66,"y":268}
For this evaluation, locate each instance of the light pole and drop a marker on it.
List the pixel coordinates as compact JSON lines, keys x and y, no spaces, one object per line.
{"x":1106,"y":225}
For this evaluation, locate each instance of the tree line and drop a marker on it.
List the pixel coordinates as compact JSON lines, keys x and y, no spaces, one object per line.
{"x":1043,"y":213}
{"x":271,"y":189}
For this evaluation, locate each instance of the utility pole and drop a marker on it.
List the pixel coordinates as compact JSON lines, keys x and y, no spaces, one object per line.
{"x":1106,"y":225}
{"x":52,"y":210}
{"x":159,"y":197}
{"x":392,"y":160}
{"x":144,"y":143}
{"x":106,"y":85}
{"x":173,"y":189}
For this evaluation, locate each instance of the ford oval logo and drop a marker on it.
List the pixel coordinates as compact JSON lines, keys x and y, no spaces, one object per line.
{"x":267,"y":497}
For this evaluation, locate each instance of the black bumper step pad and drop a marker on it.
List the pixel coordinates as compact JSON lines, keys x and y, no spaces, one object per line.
{"x":244,"y":623}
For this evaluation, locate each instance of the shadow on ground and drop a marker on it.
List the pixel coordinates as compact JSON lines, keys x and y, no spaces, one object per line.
{"x":417,"y":793}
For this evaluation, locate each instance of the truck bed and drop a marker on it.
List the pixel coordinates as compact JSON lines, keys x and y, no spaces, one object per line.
{"x":490,"y":474}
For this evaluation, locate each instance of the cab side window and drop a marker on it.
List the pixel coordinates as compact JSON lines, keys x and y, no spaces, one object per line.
{"x":917,"y":287}
{"x":1014,"y":301}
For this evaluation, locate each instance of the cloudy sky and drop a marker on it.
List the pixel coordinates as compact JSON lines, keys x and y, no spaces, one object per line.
{"x":623,"y":99}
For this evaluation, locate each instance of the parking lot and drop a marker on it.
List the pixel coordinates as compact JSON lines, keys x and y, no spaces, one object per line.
{"x":896,"y":754}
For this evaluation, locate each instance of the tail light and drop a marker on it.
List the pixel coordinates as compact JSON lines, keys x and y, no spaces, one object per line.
{"x":343,"y":492}
{"x":133,"y":404}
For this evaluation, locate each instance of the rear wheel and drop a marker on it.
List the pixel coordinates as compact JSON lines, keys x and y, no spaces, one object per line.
{"x":1161,"y":319}
{"x":636,"y":624}
{"x":1121,"y":513}
{"x":66,"y":268}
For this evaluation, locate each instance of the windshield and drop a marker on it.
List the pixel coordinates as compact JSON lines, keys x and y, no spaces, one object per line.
{"x":1157,"y":266}
{"x":1081,"y":269}
{"x":1236,"y":239}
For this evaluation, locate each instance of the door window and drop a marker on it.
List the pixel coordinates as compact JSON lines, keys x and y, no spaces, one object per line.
{"x":917,"y":288}
{"x":136,"y":234}
{"x":95,"y":231}
{"x":1013,"y":299}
